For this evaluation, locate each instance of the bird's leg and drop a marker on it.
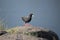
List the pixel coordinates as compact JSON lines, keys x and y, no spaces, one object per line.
{"x":27,"y":24}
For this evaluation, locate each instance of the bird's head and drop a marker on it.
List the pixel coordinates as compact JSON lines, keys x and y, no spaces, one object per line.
{"x":31,"y":14}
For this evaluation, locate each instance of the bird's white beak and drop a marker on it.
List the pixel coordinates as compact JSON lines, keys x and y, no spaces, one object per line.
{"x":32,"y":15}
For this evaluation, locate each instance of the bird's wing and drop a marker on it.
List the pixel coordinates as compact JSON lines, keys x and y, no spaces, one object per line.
{"x":25,"y":18}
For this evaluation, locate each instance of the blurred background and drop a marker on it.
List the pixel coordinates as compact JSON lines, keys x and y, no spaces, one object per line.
{"x":46,"y":13}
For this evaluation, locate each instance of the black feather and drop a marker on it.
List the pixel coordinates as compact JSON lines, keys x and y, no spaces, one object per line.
{"x":27,"y":19}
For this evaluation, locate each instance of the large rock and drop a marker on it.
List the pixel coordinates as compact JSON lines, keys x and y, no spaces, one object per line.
{"x":31,"y":33}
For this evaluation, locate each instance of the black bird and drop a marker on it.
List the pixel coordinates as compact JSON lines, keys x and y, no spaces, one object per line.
{"x":28,"y":18}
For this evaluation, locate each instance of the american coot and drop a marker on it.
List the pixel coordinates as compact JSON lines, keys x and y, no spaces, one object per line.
{"x":28,"y":18}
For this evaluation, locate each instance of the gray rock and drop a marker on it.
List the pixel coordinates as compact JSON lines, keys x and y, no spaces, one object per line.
{"x":42,"y":34}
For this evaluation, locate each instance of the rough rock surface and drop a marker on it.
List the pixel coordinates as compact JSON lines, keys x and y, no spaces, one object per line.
{"x":21,"y":36}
